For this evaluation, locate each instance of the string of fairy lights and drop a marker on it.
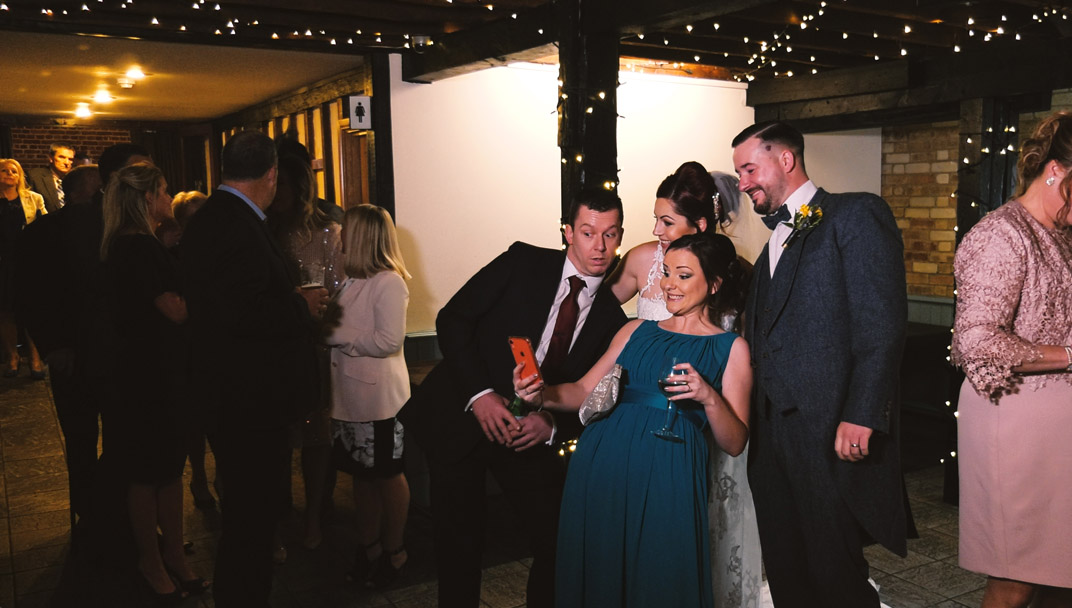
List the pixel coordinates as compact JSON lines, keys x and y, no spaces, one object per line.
{"x":780,"y":43}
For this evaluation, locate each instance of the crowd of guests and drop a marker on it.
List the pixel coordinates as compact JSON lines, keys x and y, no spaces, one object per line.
{"x":747,"y":410}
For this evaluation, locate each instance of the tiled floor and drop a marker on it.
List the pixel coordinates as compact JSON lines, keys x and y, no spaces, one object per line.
{"x":37,"y":567}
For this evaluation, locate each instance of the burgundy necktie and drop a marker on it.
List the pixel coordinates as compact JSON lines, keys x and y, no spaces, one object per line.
{"x":558,"y":347}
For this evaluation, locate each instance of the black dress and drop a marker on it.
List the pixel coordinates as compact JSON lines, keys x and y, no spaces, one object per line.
{"x":148,"y":426}
{"x":12,"y":221}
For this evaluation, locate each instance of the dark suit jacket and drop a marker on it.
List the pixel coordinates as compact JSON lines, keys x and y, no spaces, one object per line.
{"x":833,"y":327}
{"x":253,"y":358}
{"x":511,"y":296}
{"x":40,"y":181}
{"x":61,"y":296}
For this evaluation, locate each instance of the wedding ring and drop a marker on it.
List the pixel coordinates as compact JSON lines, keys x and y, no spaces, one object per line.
{"x":855,"y":445}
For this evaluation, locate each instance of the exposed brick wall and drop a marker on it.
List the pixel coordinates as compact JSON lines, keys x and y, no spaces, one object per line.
{"x":30,"y":143}
{"x":919,"y":176}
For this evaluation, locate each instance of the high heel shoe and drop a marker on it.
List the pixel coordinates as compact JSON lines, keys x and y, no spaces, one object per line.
{"x":362,"y":567}
{"x":203,"y":499}
{"x":194,"y":586}
{"x":386,"y":573}
{"x":11,"y":372}
{"x":171,"y":598}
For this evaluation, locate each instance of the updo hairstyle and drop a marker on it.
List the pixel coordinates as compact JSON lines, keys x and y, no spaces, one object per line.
{"x":692,"y":189}
{"x":718,"y":260}
{"x":1052,"y":140}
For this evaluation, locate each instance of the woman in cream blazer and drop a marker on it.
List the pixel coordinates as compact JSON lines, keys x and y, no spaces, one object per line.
{"x":14,"y":216}
{"x":370,"y":383}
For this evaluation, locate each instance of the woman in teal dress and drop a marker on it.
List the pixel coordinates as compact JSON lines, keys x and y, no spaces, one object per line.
{"x":633,"y":526}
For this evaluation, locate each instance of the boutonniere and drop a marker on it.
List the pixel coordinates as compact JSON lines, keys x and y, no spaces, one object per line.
{"x":806,"y":218}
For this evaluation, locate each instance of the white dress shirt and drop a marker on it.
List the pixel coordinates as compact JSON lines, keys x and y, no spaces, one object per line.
{"x":800,"y":196}
{"x":584,"y":304}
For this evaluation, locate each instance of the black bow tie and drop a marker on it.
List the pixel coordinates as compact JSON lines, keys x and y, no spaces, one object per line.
{"x":779,"y":216}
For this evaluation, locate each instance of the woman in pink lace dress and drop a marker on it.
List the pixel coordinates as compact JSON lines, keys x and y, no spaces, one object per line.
{"x":1013,"y":328}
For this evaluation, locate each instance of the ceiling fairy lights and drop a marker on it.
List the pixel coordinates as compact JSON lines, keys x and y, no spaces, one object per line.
{"x":835,"y":42}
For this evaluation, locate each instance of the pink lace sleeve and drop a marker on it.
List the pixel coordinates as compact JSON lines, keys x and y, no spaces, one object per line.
{"x":991,"y":269}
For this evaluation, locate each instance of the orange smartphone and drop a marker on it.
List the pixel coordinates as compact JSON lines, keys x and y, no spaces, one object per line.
{"x":523,"y":354}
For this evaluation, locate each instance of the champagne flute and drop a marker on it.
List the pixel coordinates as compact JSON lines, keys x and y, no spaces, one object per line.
{"x":670,"y":379}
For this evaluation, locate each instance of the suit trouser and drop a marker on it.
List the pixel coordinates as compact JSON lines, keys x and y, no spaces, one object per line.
{"x":255,"y":465}
{"x":812,"y":545}
{"x":532,"y":481}
{"x":77,"y":407}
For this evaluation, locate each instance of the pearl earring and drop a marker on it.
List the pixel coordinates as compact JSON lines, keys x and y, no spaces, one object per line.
{"x":1049,"y":181}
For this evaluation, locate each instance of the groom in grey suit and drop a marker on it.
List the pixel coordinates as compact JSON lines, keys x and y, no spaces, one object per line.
{"x":826,"y":321}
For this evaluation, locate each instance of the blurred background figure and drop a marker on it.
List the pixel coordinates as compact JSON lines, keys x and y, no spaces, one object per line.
{"x":313,"y":249}
{"x":1013,"y":332}
{"x":19,"y":207}
{"x":370,"y":383}
{"x":183,"y":206}
{"x":142,"y":284}
{"x":80,"y":184}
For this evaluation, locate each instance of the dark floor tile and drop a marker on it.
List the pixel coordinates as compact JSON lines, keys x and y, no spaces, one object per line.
{"x":32,"y":484}
{"x":883,"y":561}
{"x":37,"y":580}
{"x":427,"y":600}
{"x":30,"y":467}
{"x":38,"y":599}
{"x":933,"y":515}
{"x":40,"y":557}
{"x":899,"y":593}
{"x":944,"y":578}
{"x":973,"y":599}
{"x":7,"y":590}
{"x":38,"y":502}
{"x":22,"y":540}
{"x":934,"y":543}
{"x":503,"y":586}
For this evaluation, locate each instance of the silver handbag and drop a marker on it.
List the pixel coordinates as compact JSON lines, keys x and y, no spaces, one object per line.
{"x":603,"y":397}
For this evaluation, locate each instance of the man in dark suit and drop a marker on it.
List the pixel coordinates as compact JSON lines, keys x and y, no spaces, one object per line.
{"x":61,"y":301}
{"x":826,"y":320}
{"x":459,"y":414}
{"x":253,"y":363}
{"x":47,"y":181}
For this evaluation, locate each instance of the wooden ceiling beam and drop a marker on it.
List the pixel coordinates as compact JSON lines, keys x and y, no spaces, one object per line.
{"x":935,"y":87}
{"x":528,"y":37}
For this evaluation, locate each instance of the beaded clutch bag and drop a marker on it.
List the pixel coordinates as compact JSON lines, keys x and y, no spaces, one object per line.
{"x":603,"y":397}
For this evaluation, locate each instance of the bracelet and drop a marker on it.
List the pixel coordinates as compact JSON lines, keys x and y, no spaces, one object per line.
{"x":1068,"y":353}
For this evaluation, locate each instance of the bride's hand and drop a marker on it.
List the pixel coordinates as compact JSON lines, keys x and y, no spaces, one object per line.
{"x":529,"y":389}
{"x":695,"y":388}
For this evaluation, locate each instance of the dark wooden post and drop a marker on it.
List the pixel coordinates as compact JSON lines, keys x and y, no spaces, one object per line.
{"x":382,"y":174}
{"x":588,"y":102}
{"x":986,"y":179}
{"x":989,"y":143}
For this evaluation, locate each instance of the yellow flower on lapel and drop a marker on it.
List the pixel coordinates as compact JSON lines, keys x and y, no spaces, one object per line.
{"x":803,"y":220}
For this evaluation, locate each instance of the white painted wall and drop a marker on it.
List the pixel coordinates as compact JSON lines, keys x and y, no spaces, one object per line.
{"x":477,"y":164}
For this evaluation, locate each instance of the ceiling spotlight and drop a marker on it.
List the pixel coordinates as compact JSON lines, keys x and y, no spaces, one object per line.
{"x":82,"y":110}
{"x":135,"y":73}
{"x":125,"y":83}
{"x":102,"y":96}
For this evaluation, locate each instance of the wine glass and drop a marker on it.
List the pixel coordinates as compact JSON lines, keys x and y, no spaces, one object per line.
{"x":670,"y":379}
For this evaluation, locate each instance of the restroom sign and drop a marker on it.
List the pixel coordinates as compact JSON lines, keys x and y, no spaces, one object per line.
{"x":360,"y":112}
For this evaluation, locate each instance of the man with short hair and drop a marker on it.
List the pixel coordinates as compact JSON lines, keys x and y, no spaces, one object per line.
{"x":48,"y":181}
{"x":255,"y":365}
{"x":826,"y":322}
{"x":459,"y":414}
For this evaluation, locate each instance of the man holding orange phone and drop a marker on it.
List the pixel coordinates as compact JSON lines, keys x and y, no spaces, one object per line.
{"x":459,"y":414}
